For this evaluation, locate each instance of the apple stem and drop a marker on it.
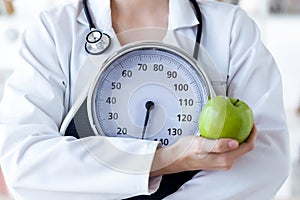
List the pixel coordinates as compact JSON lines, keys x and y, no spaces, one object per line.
{"x":236,"y":102}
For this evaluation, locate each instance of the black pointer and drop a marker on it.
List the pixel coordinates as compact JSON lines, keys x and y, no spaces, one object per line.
{"x":149,"y":106}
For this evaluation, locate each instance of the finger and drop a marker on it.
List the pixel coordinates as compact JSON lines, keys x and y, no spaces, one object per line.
{"x":246,"y":146}
{"x":220,"y":161}
{"x":225,"y":160}
{"x":253,"y":135}
{"x":218,"y":146}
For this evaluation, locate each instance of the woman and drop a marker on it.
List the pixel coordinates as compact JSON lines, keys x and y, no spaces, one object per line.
{"x":39,"y":163}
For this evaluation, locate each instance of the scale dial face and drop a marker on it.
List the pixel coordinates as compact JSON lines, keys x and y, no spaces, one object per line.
{"x":149,"y":91}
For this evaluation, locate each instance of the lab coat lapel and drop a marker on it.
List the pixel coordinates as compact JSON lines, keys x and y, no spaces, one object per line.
{"x":181,"y":14}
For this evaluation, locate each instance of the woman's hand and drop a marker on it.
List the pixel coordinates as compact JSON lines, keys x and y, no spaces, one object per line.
{"x":198,"y":153}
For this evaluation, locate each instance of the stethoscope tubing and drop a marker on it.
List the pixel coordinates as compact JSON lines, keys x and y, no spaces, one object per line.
{"x":88,"y":15}
{"x":199,"y":28}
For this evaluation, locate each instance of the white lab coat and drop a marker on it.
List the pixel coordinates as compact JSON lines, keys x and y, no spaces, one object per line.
{"x":39,"y":163}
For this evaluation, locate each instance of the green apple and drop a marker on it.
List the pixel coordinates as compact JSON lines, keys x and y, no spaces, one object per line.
{"x":224,"y":117}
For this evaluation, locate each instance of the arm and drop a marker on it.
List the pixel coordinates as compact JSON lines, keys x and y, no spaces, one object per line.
{"x":197,"y":153}
{"x":38,"y":162}
{"x":254,"y":78}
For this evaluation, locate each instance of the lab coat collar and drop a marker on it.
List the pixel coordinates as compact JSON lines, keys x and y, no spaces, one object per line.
{"x":182,"y":15}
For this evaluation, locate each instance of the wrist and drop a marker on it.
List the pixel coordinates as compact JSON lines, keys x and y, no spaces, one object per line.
{"x":164,"y":161}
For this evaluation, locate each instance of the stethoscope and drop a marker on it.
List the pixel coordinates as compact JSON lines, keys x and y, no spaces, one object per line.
{"x":97,"y":42}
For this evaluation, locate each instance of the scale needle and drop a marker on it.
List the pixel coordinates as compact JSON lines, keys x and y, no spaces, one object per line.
{"x":149,"y":106}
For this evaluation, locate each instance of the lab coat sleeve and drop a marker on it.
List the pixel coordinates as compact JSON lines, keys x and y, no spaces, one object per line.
{"x":39,"y":163}
{"x":255,"y":79}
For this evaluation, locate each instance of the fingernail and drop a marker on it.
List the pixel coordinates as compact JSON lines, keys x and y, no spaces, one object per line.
{"x":233,"y":144}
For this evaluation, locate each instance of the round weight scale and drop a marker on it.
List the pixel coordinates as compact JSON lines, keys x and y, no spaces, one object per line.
{"x":147,"y":90}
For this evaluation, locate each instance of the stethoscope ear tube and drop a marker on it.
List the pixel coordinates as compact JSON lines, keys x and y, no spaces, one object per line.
{"x":87,"y":14}
{"x":199,"y":28}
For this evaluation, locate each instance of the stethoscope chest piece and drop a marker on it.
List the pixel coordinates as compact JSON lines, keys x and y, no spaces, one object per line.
{"x":97,"y":42}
